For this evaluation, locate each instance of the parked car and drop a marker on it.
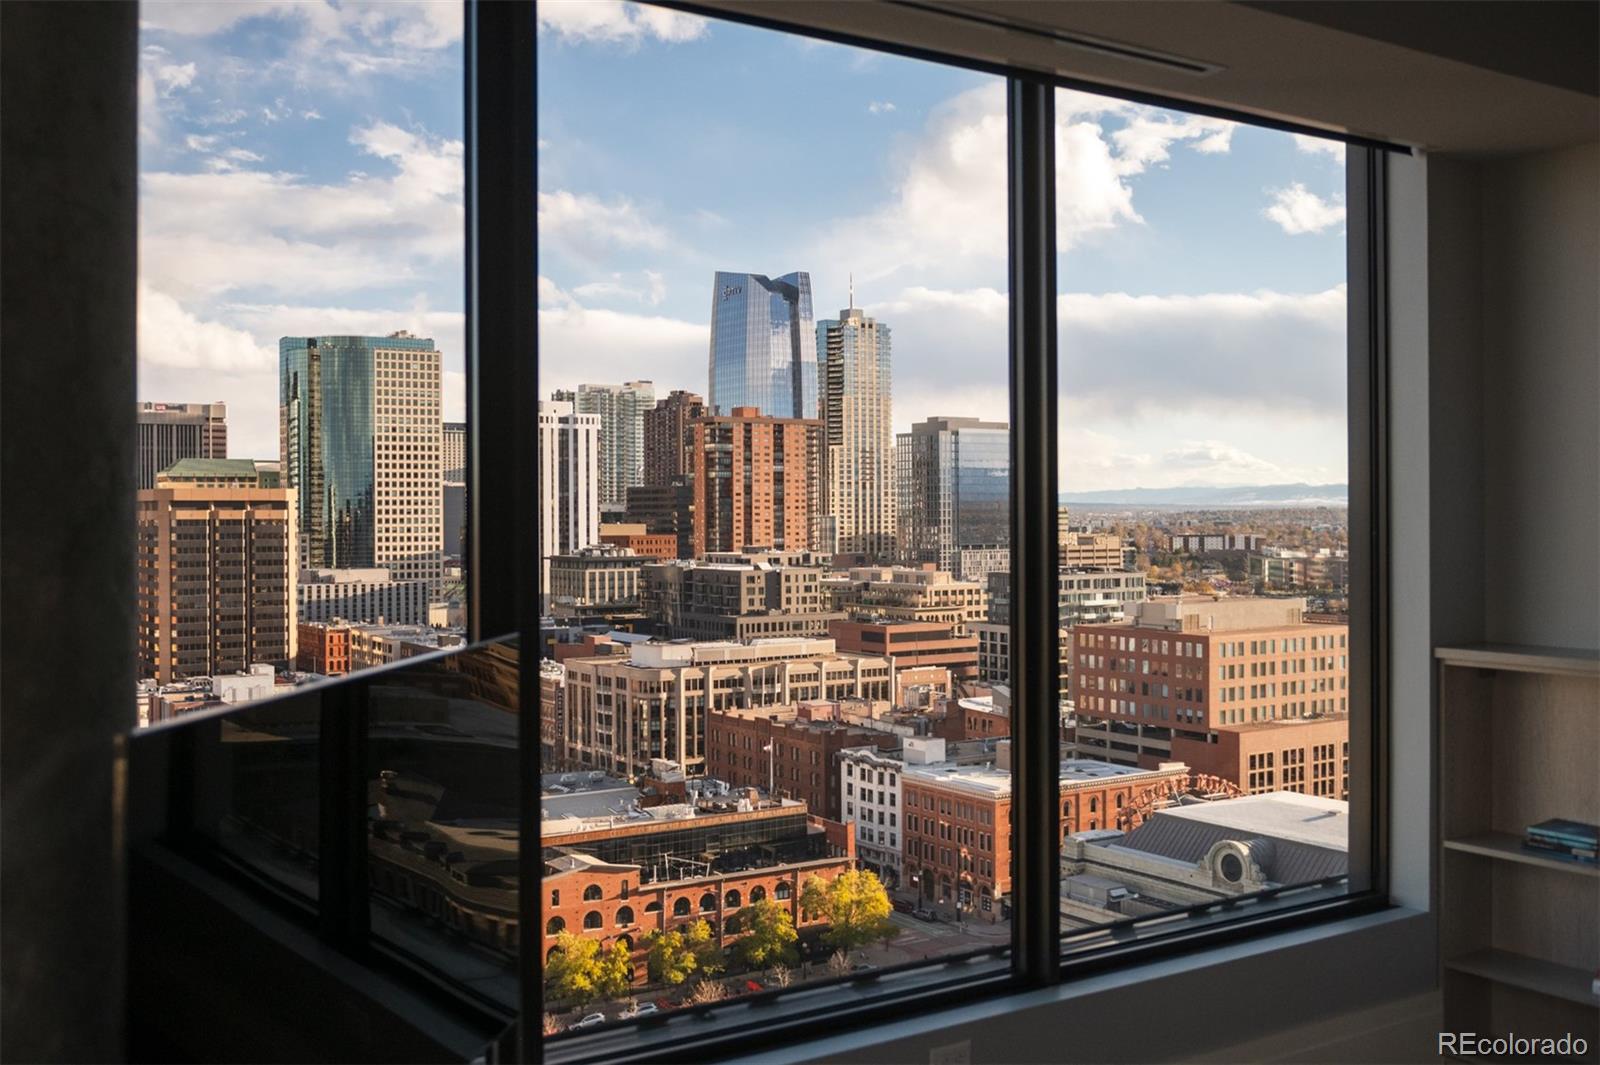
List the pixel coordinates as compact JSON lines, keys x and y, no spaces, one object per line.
{"x":903,"y":905}
{"x":863,"y":967}
{"x":924,"y":915}
{"x":589,"y":1021}
{"x":640,"y":1009}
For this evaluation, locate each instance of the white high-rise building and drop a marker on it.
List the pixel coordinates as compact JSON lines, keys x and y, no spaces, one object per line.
{"x":853,"y":394}
{"x":455,"y":451}
{"x":621,"y":410}
{"x":569,"y":483}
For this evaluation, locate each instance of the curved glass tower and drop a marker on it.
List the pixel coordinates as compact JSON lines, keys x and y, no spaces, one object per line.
{"x":763,"y":344}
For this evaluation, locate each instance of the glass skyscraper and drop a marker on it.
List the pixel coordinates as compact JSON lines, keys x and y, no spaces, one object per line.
{"x":952,"y":488}
{"x":361,"y":439}
{"x":763,"y":345}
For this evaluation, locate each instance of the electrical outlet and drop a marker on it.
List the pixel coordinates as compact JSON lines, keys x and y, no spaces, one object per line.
{"x":952,"y":1054}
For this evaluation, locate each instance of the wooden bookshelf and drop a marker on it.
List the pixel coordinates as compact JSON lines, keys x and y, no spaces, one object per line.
{"x":1519,"y":931}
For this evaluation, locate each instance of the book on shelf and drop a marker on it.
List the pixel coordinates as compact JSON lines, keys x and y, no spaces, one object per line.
{"x":1561,"y":838}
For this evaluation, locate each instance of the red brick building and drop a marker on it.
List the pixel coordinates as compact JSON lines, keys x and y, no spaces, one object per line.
{"x":1178,"y":671}
{"x":324,"y":648}
{"x":642,"y":543}
{"x":1307,"y":755}
{"x":756,"y":480}
{"x":803,"y":762}
{"x":957,"y":829}
{"x":913,"y":645}
{"x":620,"y":881}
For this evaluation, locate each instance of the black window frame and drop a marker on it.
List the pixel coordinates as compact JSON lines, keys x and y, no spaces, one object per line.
{"x":502,"y":384}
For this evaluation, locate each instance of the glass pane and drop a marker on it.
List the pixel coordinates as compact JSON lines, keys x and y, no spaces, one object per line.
{"x":256,"y":791}
{"x":300,"y":358}
{"x":1204,"y":523}
{"x":443,"y":816}
{"x":773,"y":338}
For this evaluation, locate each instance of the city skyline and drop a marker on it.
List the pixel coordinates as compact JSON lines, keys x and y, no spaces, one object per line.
{"x":1215,"y":251}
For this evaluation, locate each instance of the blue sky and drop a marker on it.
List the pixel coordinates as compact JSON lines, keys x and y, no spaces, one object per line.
{"x":301,"y":173}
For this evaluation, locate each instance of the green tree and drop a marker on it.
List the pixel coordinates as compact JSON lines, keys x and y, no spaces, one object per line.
{"x":854,"y":904}
{"x":677,"y":955}
{"x":770,"y":935}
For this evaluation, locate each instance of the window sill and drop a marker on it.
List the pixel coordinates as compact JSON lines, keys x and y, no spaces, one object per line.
{"x":1203,"y":1001}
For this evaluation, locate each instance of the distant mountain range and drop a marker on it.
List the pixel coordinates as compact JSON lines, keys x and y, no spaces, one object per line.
{"x":1251,"y":495}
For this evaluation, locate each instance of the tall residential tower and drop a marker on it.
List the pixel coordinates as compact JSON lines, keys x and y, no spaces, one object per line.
{"x":853,"y":357}
{"x":621,"y":410}
{"x":763,"y":345}
{"x":569,"y":483}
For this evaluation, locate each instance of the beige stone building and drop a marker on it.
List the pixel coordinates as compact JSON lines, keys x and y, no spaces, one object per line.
{"x":622,"y":712}
{"x":905,"y":593}
{"x":216,"y":577}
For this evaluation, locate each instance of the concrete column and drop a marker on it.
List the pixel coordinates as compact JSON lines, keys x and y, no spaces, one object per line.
{"x":68,"y":80}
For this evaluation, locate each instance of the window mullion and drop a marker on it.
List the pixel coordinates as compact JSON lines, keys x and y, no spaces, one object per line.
{"x":1034,"y":647}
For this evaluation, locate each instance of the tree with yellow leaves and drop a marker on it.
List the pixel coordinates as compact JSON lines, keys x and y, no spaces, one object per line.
{"x":854,"y":904}
{"x":580,"y":972}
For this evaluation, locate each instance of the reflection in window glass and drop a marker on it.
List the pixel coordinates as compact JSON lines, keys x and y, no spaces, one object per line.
{"x":775,"y":467}
{"x":443,"y":818}
{"x":1203,"y":527}
{"x":301,"y":443}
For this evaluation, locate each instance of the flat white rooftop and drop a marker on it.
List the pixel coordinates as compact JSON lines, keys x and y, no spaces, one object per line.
{"x":1309,"y":819}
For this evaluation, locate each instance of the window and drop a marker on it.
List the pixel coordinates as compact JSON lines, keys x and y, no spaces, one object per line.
{"x":636,"y":199}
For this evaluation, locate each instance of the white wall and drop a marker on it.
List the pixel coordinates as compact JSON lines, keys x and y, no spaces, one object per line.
{"x":1541,"y":407}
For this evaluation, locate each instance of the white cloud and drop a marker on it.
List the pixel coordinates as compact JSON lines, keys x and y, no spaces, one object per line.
{"x":880,"y":107}
{"x":1218,"y":354}
{"x":1334,"y":150}
{"x":588,"y":226}
{"x":1214,"y":456}
{"x":422,"y":24}
{"x":615,"y":287}
{"x":207,"y":234}
{"x":579,"y":343}
{"x":945,"y":221}
{"x":617,"y":22}
{"x":1298,"y":210}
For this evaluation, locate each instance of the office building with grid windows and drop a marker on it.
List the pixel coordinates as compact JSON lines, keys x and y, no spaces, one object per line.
{"x":361,"y":442}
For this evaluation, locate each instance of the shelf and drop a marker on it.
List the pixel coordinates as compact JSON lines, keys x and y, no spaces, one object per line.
{"x":1523,"y":658}
{"x":1530,"y":974}
{"x":1507,"y":847}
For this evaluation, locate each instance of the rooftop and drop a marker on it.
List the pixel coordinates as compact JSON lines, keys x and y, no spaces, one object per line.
{"x":1285,"y":815}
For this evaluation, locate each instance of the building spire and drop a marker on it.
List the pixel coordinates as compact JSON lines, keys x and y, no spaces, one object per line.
{"x":852,"y":291}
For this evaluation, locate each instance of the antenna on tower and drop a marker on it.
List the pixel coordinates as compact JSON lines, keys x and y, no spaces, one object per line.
{"x":852,"y":290}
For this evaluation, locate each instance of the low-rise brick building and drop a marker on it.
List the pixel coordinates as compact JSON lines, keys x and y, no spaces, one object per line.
{"x":803,"y":763}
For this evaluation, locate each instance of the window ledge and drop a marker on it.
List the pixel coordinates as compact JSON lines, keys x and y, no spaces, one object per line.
{"x":1203,"y":1001}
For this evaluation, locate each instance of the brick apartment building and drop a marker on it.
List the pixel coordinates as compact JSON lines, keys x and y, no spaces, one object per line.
{"x":634,"y":537}
{"x":912,"y":645}
{"x":957,"y":830}
{"x":1177,"y":672}
{"x":803,"y":763}
{"x":1307,"y":755}
{"x":324,"y":648}
{"x":756,"y":480}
